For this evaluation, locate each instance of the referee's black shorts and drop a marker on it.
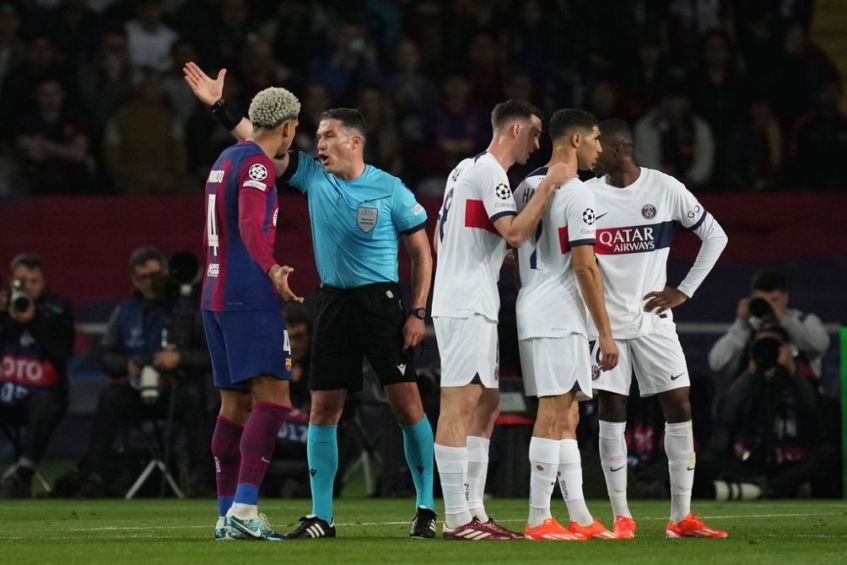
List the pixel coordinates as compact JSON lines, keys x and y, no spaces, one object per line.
{"x":354,"y":323}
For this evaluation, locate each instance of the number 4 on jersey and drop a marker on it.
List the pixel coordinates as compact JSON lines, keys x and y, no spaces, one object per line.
{"x":211,"y":227}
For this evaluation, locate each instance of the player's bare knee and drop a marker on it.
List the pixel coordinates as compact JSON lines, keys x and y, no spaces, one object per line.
{"x":676,"y":405}
{"x":612,"y":407}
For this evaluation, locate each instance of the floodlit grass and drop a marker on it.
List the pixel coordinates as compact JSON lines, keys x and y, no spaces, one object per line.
{"x":375,"y":531}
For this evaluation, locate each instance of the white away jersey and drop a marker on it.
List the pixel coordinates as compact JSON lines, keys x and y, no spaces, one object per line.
{"x":634,"y":230}
{"x":470,"y":250}
{"x":549,"y":303}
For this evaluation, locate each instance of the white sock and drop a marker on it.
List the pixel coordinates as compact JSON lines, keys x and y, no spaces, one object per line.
{"x":244,"y":511}
{"x":613,"y":460}
{"x":477,"y":474}
{"x":544,"y":466}
{"x":570,"y":482}
{"x":679,"y":447}
{"x":453,"y":472}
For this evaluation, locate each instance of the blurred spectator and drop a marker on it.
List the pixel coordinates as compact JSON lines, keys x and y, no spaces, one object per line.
{"x":144,"y":142}
{"x":648,"y":74}
{"x":16,"y":98}
{"x":235,"y":29}
{"x":755,"y":150}
{"x":36,"y":343}
{"x":535,"y":40}
{"x":768,"y":302}
{"x":12,"y":48}
{"x":795,"y":74}
{"x":351,"y":62}
{"x":148,"y":38}
{"x":689,"y":20}
{"x":76,"y":29}
{"x":768,"y":435}
{"x":414,"y":95}
{"x":147,"y":366}
{"x":484,"y":70}
{"x":297,"y":32}
{"x":105,"y":84}
{"x":819,"y":143}
{"x":179,"y":97}
{"x":519,"y":86}
{"x":383,"y":144}
{"x":674,"y":140}
{"x":717,"y":98}
{"x":315,"y":101}
{"x":299,"y":327}
{"x":53,"y":144}
{"x":260,"y":70}
{"x":456,"y":123}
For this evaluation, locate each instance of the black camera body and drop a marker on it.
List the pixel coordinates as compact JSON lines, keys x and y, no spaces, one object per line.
{"x":19,"y":300}
{"x":761,"y":313}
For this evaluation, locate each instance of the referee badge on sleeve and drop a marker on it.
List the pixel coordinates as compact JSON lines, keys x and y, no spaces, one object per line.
{"x":366,"y":218}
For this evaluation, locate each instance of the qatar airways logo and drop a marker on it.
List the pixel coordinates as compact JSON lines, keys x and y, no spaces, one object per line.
{"x":634,"y":239}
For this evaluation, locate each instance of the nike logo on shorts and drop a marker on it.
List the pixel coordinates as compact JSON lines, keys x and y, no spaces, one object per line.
{"x":613,"y":469}
{"x":675,"y":377}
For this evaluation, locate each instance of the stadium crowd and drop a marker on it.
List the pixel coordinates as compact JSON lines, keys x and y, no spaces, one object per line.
{"x":726,"y":96}
{"x":92,"y":100}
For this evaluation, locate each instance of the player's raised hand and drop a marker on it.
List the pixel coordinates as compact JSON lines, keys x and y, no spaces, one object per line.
{"x":560,"y":173}
{"x":413,"y":332}
{"x":279,"y":278}
{"x":608,"y":353}
{"x":661,"y":300}
{"x":206,"y":89}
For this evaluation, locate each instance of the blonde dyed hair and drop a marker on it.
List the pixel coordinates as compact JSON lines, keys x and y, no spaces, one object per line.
{"x":273,"y":106}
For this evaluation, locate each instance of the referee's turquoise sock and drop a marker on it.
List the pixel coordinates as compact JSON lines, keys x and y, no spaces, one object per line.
{"x":419,"y":446}
{"x":322,"y":451}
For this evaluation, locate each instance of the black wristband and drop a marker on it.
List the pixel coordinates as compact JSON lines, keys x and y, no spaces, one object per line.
{"x":225,"y":115}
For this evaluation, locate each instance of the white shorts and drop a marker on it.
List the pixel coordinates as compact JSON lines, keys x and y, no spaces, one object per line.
{"x":657,"y":360}
{"x":553,"y":366}
{"x":469,"y":351}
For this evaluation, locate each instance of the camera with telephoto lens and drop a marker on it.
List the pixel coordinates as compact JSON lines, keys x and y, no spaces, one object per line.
{"x":761,"y":313}
{"x":148,"y":384}
{"x":19,"y":300}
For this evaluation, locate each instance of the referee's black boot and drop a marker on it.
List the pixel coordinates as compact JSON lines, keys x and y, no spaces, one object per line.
{"x":312,"y":527}
{"x":423,"y":526}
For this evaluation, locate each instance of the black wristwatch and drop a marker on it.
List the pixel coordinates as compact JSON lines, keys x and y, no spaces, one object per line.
{"x":418,"y":313}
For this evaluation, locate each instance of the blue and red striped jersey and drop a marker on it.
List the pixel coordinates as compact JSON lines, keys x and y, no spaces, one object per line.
{"x":241,"y":214}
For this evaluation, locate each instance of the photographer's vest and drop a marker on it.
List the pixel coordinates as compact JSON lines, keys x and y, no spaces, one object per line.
{"x":142,"y":328}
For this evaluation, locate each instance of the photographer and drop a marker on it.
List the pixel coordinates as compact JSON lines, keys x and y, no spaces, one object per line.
{"x":36,"y":342}
{"x":150,"y":353}
{"x":769,"y":302}
{"x":768,"y":433}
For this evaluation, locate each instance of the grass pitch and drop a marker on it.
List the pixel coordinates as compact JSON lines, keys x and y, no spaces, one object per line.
{"x":375,"y":531}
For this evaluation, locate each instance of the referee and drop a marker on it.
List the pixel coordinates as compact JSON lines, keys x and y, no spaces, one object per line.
{"x":359,"y":214}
